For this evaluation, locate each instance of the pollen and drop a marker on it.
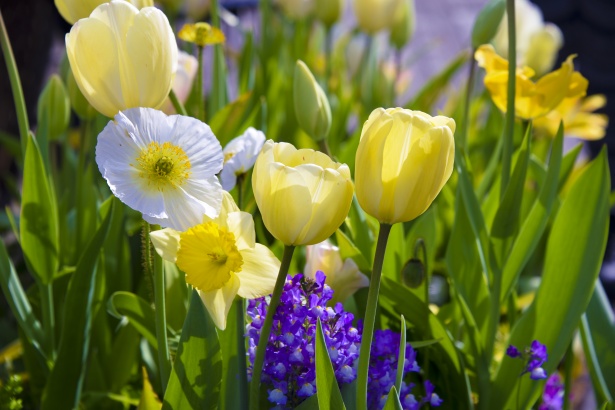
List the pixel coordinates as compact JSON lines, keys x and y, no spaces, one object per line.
{"x":163,"y":166}
{"x":208,"y":256}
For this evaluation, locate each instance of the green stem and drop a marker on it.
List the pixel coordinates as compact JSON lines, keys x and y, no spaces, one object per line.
{"x":328,"y":59}
{"x":164,"y":363}
{"x":259,"y":360}
{"x":18,"y":97}
{"x":242,"y":371}
{"x":200,"y":101}
{"x":240,"y":179}
{"x":179,"y":107}
{"x":420,"y":244}
{"x":463,"y":136}
{"x":370,"y":316}
{"x":519,"y":392}
{"x":509,"y":127}
{"x":568,"y":377}
{"x":49,"y":322}
{"x":265,"y":8}
{"x":324,"y":147}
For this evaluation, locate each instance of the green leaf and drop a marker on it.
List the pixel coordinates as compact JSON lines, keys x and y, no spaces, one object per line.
{"x":401,"y":356}
{"x":487,"y":22}
{"x":18,"y":301}
{"x":349,"y":250}
{"x":197,"y":371}
{"x":393,"y":402}
{"x":234,"y":373}
{"x":572,"y":261}
{"x":125,"y":357}
{"x":139,"y":313}
{"x":311,"y":403}
{"x":63,"y":389}
{"x":39,"y":218}
{"x":329,"y":395}
{"x":567,"y":166}
{"x":234,"y":118}
{"x":536,"y":222}
{"x":598,"y":334}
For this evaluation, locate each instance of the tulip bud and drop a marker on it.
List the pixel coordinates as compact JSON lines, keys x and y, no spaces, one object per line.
{"x":296,"y":9}
{"x":328,"y":11}
{"x":375,"y":15}
{"x":311,"y":104}
{"x":303,"y":195}
{"x":487,"y":22}
{"x":74,"y":10}
{"x":404,"y":25}
{"x":413,"y":273}
{"x":403,"y":160}
{"x":543,"y":49}
{"x":53,"y":111}
{"x":78,"y":102}
{"x":130,"y":63}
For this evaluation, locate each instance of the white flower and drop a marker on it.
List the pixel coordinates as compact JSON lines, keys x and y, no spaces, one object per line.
{"x":162,"y":166}
{"x":239,"y":156}
{"x":187,"y":66}
{"x":221,"y":259}
{"x":344,"y":278}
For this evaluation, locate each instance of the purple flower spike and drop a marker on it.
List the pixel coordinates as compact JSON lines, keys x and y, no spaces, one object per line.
{"x":553,"y":395}
{"x":513,"y":352}
{"x":539,"y":351}
{"x":538,"y":374}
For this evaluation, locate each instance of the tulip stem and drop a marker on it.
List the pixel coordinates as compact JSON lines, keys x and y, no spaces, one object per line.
{"x":179,"y":107}
{"x":200,"y":101}
{"x":568,"y":366}
{"x":328,"y":57}
{"x":266,"y":329}
{"x":370,"y":316}
{"x":509,"y":128}
{"x":240,"y":179}
{"x":18,"y":97}
{"x":463,"y":135}
{"x":164,"y":363}
{"x":324,"y":147}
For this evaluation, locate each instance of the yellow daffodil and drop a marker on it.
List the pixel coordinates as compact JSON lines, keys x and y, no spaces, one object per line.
{"x":303,"y":195}
{"x":201,"y":34}
{"x":122,"y":57}
{"x":404,"y":159}
{"x":578,"y":116}
{"x":532,"y":99}
{"x":221,"y":259}
{"x":74,"y":10}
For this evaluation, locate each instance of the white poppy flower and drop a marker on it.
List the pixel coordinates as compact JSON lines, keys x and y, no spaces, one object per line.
{"x":240,"y":155}
{"x":343,"y":277}
{"x":162,"y":166}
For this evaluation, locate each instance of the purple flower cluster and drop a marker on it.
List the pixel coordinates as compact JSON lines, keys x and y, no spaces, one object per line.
{"x":289,"y":369}
{"x":534,"y":356}
{"x":383,"y":370}
{"x":553,"y":395}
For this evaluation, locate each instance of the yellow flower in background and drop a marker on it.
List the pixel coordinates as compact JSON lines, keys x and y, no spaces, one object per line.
{"x":532,"y":99}
{"x":303,"y":195}
{"x":579,"y":118}
{"x":404,"y":159}
{"x":201,"y":34}
{"x":74,"y":10}
{"x":328,"y":11}
{"x":344,"y":276}
{"x":296,"y":9}
{"x":122,"y":57}
{"x":375,"y":15}
{"x":221,"y":259}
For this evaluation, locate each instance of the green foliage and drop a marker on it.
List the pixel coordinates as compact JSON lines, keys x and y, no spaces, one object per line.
{"x":329,"y":395}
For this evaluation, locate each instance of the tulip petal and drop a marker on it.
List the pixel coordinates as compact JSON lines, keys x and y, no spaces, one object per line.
{"x":218,"y":302}
{"x":258,"y":273}
{"x":241,"y":225}
{"x":166,"y":243}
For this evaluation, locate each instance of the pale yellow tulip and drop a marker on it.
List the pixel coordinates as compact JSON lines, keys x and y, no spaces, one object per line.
{"x":123,"y":57}
{"x":375,"y":15}
{"x":404,"y":159}
{"x":74,"y":10}
{"x":303,"y":195}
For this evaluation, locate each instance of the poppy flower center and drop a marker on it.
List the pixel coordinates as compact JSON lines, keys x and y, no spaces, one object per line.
{"x":163,"y":166}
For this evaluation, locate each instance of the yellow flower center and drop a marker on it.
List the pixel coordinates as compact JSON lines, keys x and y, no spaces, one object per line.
{"x":208,"y":255}
{"x":228,"y":156}
{"x":163,"y":166}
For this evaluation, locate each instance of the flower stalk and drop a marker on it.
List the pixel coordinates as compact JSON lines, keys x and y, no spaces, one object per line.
{"x":509,"y":127}
{"x":200,"y":105}
{"x":179,"y":107}
{"x":370,"y":316}
{"x":164,"y":363}
{"x":266,"y":330}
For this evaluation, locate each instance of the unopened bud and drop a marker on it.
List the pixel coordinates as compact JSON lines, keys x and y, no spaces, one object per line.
{"x":311,"y":104}
{"x":488,"y":22}
{"x":413,"y":273}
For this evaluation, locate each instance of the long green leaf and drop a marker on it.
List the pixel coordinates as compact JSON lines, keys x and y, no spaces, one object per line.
{"x":572,"y":262}
{"x":535,"y":223}
{"x":393,"y":402}
{"x":329,"y":395}
{"x":234,"y":374}
{"x":18,"y":301}
{"x":138,"y":312}
{"x":197,"y":371}
{"x":39,"y":217}
{"x":401,"y":355}
{"x":598,"y":334}
{"x":63,"y":389}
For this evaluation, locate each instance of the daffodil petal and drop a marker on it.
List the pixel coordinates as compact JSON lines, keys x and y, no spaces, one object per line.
{"x":241,"y":225}
{"x":218,"y":302}
{"x":166,"y":243}
{"x":258,"y":273}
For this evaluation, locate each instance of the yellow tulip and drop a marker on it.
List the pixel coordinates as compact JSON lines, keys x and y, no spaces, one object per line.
{"x":74,"y":10}
{"x":375,"y":15}
{"x":404,"y":159}
{"x":532,"y":99}
{"x":328,"y":11}
{"x":122,"y":57}
{"x":579,"y":118}
{"x":303,"y":195}
{"x":221,"y":259}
